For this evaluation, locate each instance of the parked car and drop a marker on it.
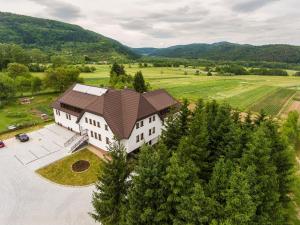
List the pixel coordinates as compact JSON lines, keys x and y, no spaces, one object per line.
{"x":22,"y":137}
{"x":2,"y":145}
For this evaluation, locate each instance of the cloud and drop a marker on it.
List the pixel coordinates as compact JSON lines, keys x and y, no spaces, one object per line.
{"x":139,"y":23}
{"x":60,"y":10}
{"x":251,"y":5}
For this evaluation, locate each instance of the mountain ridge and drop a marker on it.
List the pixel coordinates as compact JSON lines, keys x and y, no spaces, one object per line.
{"x":228,"y":51}
{"x":55,"y":36}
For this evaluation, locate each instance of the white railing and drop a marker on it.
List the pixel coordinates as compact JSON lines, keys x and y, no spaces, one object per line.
{"x":83,"y":138}
{"x":73,"y":138}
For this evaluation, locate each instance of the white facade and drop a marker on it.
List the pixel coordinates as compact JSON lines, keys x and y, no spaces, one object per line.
{"x":66,"y":120}
{"x":100,"y":135}
{"x":142,"y":134}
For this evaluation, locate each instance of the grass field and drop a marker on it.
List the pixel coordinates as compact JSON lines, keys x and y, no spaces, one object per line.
{"x":274,"y":102}
{"x":61,"y":171}
{"x":17,"y":114}
{"x":243,"y":92}
{"x":240,"y":91}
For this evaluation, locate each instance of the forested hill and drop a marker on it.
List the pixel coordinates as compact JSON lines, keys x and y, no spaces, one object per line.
{"x":228,"y":51}
{"x":53,"y":36}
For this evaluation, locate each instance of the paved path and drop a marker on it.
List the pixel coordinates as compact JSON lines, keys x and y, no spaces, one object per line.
{"x":28,"y":199}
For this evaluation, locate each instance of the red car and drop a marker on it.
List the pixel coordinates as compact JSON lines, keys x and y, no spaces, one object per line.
{"x":2,"y":145}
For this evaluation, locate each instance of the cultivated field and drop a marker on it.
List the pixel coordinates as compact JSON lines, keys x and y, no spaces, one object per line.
{"x":271,"y":93}
{"x":249,"y":92}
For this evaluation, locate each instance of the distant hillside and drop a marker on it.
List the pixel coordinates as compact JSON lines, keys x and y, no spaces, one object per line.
{"x":145,"y":51}
{"x":54,"y":36}
{"x":228,"y":51}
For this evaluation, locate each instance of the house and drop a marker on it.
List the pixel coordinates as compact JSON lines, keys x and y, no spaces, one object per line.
{"x":101,"y":116}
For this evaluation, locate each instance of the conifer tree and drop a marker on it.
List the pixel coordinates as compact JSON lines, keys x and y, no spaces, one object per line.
{"x":139,"y":84}
{"x":263,"y":179}
{"x":239,"y":208}
{"x":282,"y":157}
{"x":179,"y":181}
{"x":109,"y":197}
{"x":147,"y":193}
{"x":176,"y":126}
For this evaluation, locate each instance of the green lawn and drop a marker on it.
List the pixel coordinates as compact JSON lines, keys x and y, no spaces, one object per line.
{"x":61,"y":171}
{"x":15,"y":113}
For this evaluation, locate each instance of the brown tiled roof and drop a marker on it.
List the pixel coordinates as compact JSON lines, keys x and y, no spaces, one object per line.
{"x":160,"y":99}
{"x":120,"y":108}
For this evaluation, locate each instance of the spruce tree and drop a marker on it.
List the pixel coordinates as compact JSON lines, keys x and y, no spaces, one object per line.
{"x":139,"y":84}
{"x":282,"y":157}
{"x":147,"y":193}
{"x":109,"y":197}
{"x":179,"y":182}
{"x":263,"y":179}
{"x":176,"y":126}
{"x":239,"y":208}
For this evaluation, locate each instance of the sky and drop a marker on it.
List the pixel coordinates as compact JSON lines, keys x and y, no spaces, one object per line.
{"x":163,"y":23}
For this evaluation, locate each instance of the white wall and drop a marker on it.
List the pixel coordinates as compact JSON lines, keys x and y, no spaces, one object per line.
{"x":62,"y":119}
{"x":90,"y":127}
{"x":131,"y":143}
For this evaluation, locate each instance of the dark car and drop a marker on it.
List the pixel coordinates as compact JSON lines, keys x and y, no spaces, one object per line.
{"x":22,"y":137}
{"x":2,"y":145}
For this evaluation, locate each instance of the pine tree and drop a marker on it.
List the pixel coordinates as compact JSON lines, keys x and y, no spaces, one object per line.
{"x":109,"y":197}
{"x":240,"y":208}
{"x":218,"y":185}
{"x":282,"y":157}
{"x":179,"y":181}
{"x":147,"y":193}
{"x":176,"y":126}
{"x":263,"y":179}
{"x":139,"y":84}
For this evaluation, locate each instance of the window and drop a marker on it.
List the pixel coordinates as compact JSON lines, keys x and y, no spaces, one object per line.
{"x":142,"y":136}
{"x":90,"y":121}
{"x":94,"y":122}
{"x":153,"y":118}
{"x":153,"y":130}
{"x":137,"y":126}
{"x":137,"y":138}
{"x":86,"y":120}
{"x":98,"y":124}
{"x":150,"y":130}
{"x":142,"y":123}
{"x":92,"y":134}
{"x":106,"y":127}
{"x":68,"y":116}
{"x":107,"y":140}
{"x":57,"y":112}
{"x":150,"y":119}
{"x":99,"y":137}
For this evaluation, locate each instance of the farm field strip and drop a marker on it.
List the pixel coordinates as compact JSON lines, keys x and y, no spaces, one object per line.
{"x":273,"y":103}
{"x":244,"y":100}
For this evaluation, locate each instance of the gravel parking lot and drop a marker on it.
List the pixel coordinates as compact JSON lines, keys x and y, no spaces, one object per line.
{"x":28,"y":199}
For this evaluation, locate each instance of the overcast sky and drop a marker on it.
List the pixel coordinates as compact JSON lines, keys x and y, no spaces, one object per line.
{"x":161,"y":23}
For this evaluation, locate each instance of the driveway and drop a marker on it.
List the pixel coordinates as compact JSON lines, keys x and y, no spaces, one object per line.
{"x":28,"y":199}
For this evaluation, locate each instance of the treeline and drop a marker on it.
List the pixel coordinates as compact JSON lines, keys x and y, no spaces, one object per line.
{"x":120,"y":79}
{"x":235,"y":69}
{"x":211,"y":167}
{"x":17,"y":80}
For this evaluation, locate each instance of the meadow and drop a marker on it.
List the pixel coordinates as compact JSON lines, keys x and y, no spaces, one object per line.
{"x":245,"y":92}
